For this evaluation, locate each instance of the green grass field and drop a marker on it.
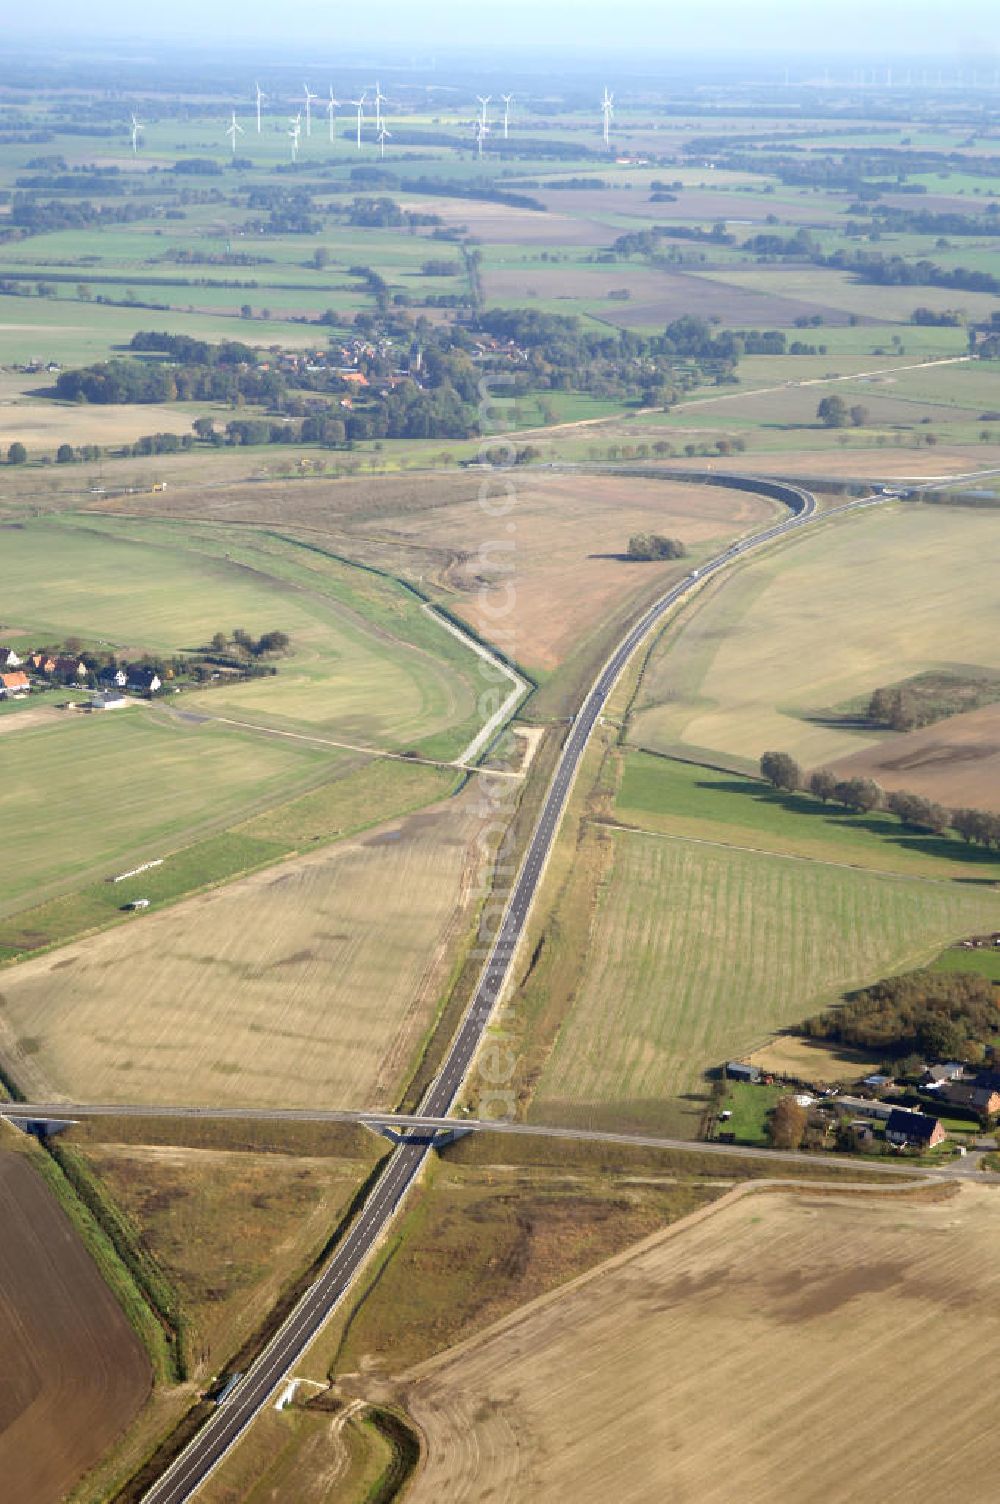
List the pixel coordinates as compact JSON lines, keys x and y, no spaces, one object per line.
{"x":679,"y":798}
{"x":697,"y":955}
{"x":121,"y":783}
{"x":367,"y":664}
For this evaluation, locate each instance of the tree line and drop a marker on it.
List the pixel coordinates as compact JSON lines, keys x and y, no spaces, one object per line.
{"x":865,"y":796}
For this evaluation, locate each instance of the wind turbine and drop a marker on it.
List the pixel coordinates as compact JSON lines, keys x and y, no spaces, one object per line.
{"x":261,"y":96}
{"x":330,"y":107}
{"x":482,"y":131}
{"x":484,"y":102}
{"x":383,"y":137}
{"x":309,"y":99}
{"x":359,"y":105}
{"x":295,"y":133}
{"x":379,"y":102}
{"x":136,"y":128}
{"x":233,"y":130}
{"x":607,"y":110}
{"x":508,"y":100}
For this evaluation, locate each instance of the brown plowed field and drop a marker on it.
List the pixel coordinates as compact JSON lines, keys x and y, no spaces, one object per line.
{"x":73,"y":1373}
{"x":956,"y":761}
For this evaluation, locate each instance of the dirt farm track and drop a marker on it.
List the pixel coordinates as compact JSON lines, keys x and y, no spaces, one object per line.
{"x":73,"y":1373}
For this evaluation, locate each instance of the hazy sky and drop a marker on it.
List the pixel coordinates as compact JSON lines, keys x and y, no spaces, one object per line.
{"x":953,"y":29}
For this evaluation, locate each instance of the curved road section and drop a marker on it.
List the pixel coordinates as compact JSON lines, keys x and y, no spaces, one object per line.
{"x":204,"y":1453}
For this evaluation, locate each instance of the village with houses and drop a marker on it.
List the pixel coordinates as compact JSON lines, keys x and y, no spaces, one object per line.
{"x":945,"y":1105}
{"x":109,"y":682}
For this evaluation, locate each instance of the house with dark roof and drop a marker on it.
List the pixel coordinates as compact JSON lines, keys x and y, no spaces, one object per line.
{"x":981,"y":1094}
{"x":143,"y":681}
{"x":913,"y":1130}
{"x":69,"y":668}
{"x":10,"y":659}
{"x":112,"y":677}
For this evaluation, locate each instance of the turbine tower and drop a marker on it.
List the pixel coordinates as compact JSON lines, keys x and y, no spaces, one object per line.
{"x":359,"y":105}
{"x":233,"y":130}
{"x":607,"y":110}
{"x":482,"y":131}
{"x":309,"y":99}
{"x":331,"y":107}
{"x":484,"y":100}
{"x":508,"y":100}
{"x":295,"y":133}
{"x":136,"y":128}
{"x":379,"y":102}
{"x":260,"y":97}
{"x":383,"y":137}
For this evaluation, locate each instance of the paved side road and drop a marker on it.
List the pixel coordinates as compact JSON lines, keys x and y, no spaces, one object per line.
{"x":204,"y":1453}
{"x":424,"y":1126}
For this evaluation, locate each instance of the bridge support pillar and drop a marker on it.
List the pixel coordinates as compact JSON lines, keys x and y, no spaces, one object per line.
{"x":435,"y":1138}
{"x":41,"y":1127}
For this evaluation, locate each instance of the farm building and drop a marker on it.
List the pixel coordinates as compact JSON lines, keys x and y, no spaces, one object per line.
{"x":737,"y":1071}
{"x":14,"y":684}
{"x":112,"y":677}
{"x":937,"y":1075}
{"x":9,"y":659}
{"x":862,"y":1107}
{"x":913,"y":1129}
{"x":108,"y":699}
{"x":42,"y":663}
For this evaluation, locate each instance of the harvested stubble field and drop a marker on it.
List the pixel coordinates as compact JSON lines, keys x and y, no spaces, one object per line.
{"x":655,"y":296}
{"x":669,"y":956}
{"x":866,"y":461}
{"x":480,"y":1241}
{"x":228,"y":1228}
{"x":75,"y":1373}
{"x":732,"y":1358}
{"x":562,"y":557}
{"x":840,"y":290}
{"x":770,"y":659}
{"x":304,"y":985}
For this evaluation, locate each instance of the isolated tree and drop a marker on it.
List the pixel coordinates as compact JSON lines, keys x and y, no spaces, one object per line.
{"x":832,"y":412}
{"x":822,"y":783}
{"x":219,"y":643}
{"x":204,"y":427}
{"x":65,"y":455}
{"x":787,"y":1124}
{"x":859,"y":416}
{"x":646,"y":546}
{"x":16,"y":454}
{"x":782,"y":771}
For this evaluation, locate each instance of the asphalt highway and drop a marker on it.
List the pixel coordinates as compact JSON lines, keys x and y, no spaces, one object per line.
{"x":207,"y":1449}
